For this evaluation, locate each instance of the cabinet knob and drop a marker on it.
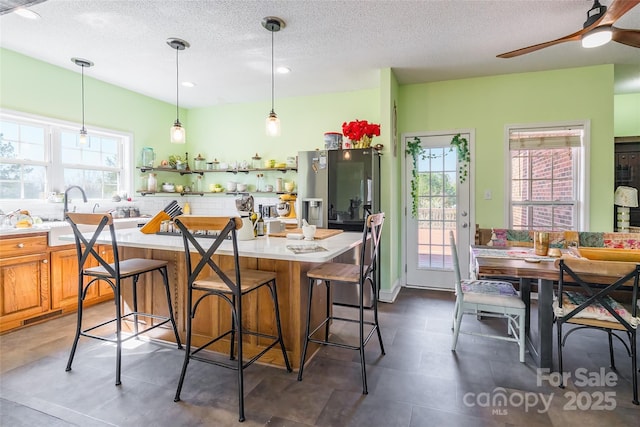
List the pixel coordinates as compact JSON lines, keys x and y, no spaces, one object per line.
{"x":45,"y":261}
{"x":20,"y":245}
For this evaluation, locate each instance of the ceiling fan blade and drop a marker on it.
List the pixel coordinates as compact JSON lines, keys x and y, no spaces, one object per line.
{"x":615,"y":11}
{"x":628,"y":37}
{"x":571,"y":37}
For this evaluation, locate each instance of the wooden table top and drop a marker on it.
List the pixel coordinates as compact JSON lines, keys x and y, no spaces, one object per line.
{"x":519,"y":268}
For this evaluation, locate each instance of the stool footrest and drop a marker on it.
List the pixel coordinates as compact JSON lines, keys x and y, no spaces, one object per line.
{"x":85,"y":332}
{"x":194,"y":356}
{"x":341,"y":345}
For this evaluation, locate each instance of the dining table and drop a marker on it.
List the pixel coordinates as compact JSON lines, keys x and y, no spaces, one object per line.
{"x":521,"y":264}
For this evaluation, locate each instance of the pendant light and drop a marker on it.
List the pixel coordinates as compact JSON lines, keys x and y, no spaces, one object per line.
{"x":83,"y":63}
{"x":272,"y":24}
{"x":178,"y":133}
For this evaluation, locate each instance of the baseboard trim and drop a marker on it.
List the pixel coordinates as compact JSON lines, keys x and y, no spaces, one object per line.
{"x":390,"y":295}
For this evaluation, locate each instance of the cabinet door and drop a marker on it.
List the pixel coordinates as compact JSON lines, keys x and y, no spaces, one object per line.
{"x":106,"y":252}
{"x":24,"y":289}
{"x":64,"y":279}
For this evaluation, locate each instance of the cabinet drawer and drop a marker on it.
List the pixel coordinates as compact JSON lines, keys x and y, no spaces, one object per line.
{"x":22,"y":245}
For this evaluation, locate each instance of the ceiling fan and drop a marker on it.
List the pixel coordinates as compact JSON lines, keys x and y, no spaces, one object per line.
{"x":597,"y":30}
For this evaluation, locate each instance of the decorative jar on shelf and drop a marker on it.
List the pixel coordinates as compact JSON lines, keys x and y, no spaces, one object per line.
{"x":256,"y":161}
{"x":199,"y":163}
{"x":152,"y":182}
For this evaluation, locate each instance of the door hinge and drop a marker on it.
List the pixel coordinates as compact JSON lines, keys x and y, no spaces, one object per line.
{"x":405,"y":268}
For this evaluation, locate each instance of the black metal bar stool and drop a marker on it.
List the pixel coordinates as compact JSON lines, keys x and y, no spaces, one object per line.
{"x":349,"y":275}
{"x":230,"y":285}
{"x":114,"y":274}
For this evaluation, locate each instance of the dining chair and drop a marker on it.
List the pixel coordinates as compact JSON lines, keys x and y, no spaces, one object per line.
{"x":343,"y":274}
{"x":487,"y":298}
{"x":207,"y":276}
{"x":114,"y":274}
{"x":593,"y":307}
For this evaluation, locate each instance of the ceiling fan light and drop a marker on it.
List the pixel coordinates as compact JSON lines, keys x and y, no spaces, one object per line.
{"x":597,"y":37}
{"x":273,"y":124}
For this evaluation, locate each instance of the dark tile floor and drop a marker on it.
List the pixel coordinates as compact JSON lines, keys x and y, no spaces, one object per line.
{"x":419,"y":382}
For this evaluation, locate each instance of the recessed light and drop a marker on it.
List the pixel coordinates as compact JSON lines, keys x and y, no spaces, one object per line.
{"x":188,"y":84}
{"x":283,"y":70}
{"x":27,"y":13}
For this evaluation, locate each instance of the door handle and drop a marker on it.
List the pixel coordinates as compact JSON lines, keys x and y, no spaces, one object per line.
{"x":464,"y":225}
{"x":463,"y":214}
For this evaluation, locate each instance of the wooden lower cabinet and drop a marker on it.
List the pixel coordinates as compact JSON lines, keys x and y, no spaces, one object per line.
{"x":38,"y":282}
{"x":64,"y":280}
{"x":24,"y":281}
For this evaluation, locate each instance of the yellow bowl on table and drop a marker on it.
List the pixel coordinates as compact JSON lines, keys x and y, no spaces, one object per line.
{"x":610,"y":254}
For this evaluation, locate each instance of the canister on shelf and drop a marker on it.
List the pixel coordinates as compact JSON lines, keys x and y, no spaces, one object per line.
{"x":256,"y":161}
{"x":199,"y":162}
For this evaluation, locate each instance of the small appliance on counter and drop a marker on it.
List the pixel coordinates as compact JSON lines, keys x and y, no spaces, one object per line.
{"x":286,"y":207}
{"x":244,"y":206}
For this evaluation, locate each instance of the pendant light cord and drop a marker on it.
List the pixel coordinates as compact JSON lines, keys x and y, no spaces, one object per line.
{"x":177,"y":90}
{"x":272,"y":72}
{"x":82,"y":85}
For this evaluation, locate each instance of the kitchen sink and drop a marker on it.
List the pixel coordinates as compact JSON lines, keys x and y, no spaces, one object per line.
{"x":61,"y":228}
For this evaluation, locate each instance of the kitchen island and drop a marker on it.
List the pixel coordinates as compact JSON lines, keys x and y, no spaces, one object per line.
{"x":262,"y":253}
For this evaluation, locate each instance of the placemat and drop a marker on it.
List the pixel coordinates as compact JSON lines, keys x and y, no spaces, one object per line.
{"x":321,"y":233}
{"x":510,"y":253}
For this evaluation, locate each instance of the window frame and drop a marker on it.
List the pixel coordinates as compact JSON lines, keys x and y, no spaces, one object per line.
{"x":581,"y":183}
{"x":53,"y":145}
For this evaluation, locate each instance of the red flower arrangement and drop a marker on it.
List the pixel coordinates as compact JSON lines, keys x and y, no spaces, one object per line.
{"x":357,"y":129}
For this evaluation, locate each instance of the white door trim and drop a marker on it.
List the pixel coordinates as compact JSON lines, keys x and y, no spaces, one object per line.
{"x":464,"y":269}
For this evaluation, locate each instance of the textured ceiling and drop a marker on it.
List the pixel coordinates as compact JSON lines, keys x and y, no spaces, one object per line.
{"x":330,"y":46}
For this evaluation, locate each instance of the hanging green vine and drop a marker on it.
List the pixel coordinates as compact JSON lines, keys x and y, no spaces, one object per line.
{"x":460,"y":144}
{"x":415,"y":151}
{"x":464,"y":157}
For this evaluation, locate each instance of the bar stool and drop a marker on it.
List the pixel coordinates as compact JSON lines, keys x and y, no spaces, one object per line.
{"x":345,"y":275}
{"x":230,"y":285}
{"x":114,"y":274}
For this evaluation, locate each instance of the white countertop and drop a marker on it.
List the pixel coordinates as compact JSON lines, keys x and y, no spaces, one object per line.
{"x":261,"y":247}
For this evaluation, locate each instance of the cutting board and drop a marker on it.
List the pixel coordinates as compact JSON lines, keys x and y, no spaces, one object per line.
{"x":321,"y":233}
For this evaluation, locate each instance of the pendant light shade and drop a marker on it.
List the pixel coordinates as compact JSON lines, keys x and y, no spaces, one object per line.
{"x":83,"y":63}
{"x":177,"y":133}
{"x":272,"y":24}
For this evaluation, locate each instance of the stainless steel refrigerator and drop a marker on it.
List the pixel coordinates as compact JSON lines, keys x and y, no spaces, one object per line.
{"x":337,"y":189}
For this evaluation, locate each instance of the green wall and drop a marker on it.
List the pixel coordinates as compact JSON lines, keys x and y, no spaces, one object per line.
{"x":36,"y":87}
{"x":626,"y":108}
{"x":487,"y":104}
{"x":236,"y":131}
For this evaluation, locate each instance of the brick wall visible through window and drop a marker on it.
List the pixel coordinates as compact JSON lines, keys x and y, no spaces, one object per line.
{"x":544,"y":185}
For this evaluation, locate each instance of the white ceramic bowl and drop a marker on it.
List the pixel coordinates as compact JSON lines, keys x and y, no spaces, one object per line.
{"x":241,"y":187}
{"x":231,"y":186}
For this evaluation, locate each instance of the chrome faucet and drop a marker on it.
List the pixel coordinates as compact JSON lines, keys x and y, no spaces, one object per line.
{"x":66,"y":198}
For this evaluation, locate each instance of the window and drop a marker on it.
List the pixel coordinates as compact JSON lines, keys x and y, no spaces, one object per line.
{"x":40,"y":155}
{"x":547,"y":183}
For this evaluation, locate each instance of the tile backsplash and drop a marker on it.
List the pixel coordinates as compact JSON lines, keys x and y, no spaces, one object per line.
{"x":218,"y":205}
